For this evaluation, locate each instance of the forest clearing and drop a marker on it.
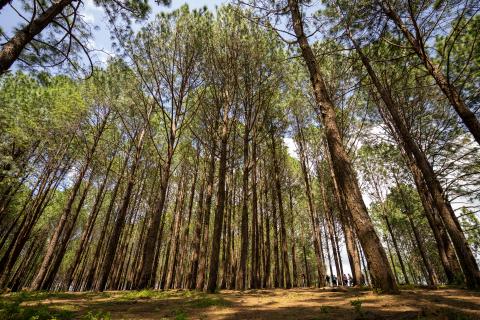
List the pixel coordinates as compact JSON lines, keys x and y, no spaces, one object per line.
{"x":244,"y":159}
{"x":272,"y":304}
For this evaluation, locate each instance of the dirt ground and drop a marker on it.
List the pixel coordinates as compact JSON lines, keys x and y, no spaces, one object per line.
{"x":301,"y":303}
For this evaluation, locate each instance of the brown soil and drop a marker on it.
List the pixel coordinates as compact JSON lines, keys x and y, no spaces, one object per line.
{"x":305,"y":303}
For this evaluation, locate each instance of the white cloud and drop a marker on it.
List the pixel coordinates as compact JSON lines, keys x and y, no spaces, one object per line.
{"x":89,"y":18}
{"x":291,"y":147}
{"x":91,"y":7}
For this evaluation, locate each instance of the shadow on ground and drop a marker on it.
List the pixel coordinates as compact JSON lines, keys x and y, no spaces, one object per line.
{"x":275,"y":304}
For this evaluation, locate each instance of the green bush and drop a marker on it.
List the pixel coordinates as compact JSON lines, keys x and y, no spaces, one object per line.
{"x":99,"y":315}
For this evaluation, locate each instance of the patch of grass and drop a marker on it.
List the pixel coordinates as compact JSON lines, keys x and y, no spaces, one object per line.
{"x":15,"y":311}
{"x":205,"y":302}
{"x":357,"y":305}
{"x":153,"y":294}
{"x":41,"y":295}
{"x":134,"y":295}
{"x":408,"y":286}
{"x":180,"y":315}
{"x":325,"y":309}
{"x":98,"y":315}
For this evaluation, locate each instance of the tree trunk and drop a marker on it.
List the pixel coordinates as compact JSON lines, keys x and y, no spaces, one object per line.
{"x":192,"y":277}
{"x":283,"y":231}
{"x":445,"y":248}
{"x":202,"y":265}
{"x":218,"y":219}
{"x":94,"y":268}
{"x":122,"y":213}
{"x":397,"y":250}
{"x":431,"y":276}
{"x":242,"y":275}
{"x":267,"y":264}
{"x":352,"y":249}
{"x":255,"y":253}
{"x":292,"y":231}
{"x":148,"y":267}
{"x":88,"y":228}
{"x":315,"y":231}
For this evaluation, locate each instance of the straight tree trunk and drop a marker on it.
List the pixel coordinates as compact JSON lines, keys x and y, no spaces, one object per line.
{"x":445,"y":248}
{"x":276,"y":267}
{"x":397,"y":250}
{"x":316,"y":232}
{"x":267,"y":264}
{"x":391,"y":259}
{"x":352,"y":249}
{"x":94,"y":268}
{"x":122,"y":213}
{"x":88,"y":228}
{"x":283,"y":231}
{"x":197,"y":236}
{"x":175,"y":236}
{"x":202,"y":265}
{"x":431,"y":276}
{"x":255,"y":253}
{"x":294,"y":262}
{"x":62,"y":248}
{"x":147,"y":271}
{"x":218,"y":219}
{"x":242,"y":275}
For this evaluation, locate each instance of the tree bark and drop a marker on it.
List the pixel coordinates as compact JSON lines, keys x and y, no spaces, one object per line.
{"x":242,"y":275}
{"x":218,"y":219}
{"x":283,"y":231}
{"x":202,"y":265}
{"x":397,"y":250}
{"x":449,"y":261}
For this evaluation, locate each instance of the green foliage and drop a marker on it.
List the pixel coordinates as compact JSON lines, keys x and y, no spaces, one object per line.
{"x":97,"y":315}
{"x":325,"y":309}
{"x":357,"y":305}
{"x":180,"y":315}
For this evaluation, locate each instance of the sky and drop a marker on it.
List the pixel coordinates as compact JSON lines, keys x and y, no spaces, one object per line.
{"x":94,"y":16}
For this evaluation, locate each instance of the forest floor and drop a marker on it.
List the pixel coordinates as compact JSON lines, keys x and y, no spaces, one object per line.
{"x":299,"y":303}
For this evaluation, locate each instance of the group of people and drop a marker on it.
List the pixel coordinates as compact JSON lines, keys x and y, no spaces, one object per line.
{"x":346,"y":281}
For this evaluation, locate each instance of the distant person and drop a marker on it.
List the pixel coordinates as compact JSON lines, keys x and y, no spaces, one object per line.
{"x":334,"y":281}
{"x":328,"y":279}
{"x":345,"y":280}
{"x":350,"y":280}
